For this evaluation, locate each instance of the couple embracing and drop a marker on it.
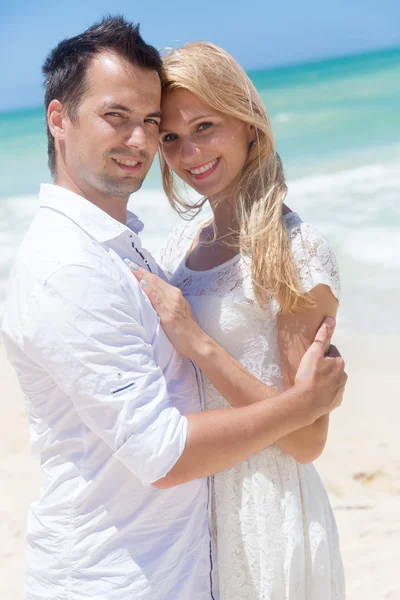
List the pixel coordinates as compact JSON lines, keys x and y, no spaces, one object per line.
{"x":176,"y":423}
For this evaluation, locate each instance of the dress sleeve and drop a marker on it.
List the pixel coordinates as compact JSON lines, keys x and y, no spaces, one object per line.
{"x":315,"y":258}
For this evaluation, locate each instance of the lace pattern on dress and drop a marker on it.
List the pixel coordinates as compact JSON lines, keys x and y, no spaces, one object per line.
{"x":274,"y":536}
{"x":316,"y":263}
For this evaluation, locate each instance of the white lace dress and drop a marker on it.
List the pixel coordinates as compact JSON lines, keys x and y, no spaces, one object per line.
{"x":274,"y":536}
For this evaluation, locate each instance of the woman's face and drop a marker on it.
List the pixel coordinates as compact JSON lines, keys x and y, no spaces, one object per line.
{"x":204,"y":147}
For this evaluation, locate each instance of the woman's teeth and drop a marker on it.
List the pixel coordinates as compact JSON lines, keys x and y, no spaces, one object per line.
{"x":204,"y":168}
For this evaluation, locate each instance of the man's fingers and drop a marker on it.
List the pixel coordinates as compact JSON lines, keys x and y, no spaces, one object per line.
{"x":324,"y":334}
{"x":333,"y":352}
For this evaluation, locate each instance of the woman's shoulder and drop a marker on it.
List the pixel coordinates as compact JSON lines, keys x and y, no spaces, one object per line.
{"x":178,"y":243}
{"x":313,"y":254}
{"x":301,"y":232}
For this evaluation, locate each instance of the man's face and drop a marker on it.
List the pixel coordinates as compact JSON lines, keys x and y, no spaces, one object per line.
{"x":108,"y":149}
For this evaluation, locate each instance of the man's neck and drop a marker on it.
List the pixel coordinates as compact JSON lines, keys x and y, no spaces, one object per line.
{"x":116,"y":207}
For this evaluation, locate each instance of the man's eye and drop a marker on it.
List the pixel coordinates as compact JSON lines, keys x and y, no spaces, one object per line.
{"x":153,"y":122}
{"x":114,"y":114}
{"x":169,"y":137}
{"x":204,"y":126}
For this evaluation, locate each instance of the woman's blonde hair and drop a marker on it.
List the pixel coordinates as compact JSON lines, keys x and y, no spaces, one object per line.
{"x":218,"y":80}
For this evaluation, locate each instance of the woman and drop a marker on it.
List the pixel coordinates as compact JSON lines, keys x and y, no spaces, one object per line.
{"x":259,"y":281}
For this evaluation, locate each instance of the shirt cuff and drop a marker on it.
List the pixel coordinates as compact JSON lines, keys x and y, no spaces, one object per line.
{"x":150,"y":455}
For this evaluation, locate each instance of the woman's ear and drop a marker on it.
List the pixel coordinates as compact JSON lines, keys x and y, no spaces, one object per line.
{"x":55,"y":119}
{"x":252,"y":134}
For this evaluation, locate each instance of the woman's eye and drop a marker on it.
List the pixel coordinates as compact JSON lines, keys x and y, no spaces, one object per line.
{"x":169,"y":137}
{"x":204,"y":126}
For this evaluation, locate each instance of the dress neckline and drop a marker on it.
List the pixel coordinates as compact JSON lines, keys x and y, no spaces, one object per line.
{"x":227,"y":263}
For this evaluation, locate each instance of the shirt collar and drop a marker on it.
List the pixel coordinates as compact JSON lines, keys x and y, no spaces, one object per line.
{"x":87,"y":215}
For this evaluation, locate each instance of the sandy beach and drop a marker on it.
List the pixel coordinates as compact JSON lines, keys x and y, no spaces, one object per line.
{"x":360,"y":468}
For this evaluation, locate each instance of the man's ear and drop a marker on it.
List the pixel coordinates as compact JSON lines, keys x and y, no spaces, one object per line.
{"x":55,"y":119}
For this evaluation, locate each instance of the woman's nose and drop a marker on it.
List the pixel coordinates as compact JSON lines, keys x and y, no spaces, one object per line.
{"x":189,"y":150}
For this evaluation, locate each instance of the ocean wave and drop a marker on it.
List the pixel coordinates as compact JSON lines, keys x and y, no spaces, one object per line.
{"x":379,"y":247}
{"x":365,"y":196}
{"x":358,"y":209}
{"x":365,"y":178}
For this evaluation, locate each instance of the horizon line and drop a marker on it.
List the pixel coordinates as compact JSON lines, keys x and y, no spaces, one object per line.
{"x":255,"y":70}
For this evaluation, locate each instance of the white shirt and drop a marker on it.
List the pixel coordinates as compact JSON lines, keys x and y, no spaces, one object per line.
{"x":106,"y":394}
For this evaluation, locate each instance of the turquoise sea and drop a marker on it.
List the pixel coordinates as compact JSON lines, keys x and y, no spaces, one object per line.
{"x":337,"y":129}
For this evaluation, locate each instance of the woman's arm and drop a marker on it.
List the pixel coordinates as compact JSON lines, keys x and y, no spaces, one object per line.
{"x":296,"y":333}
{"x":231,"y":379}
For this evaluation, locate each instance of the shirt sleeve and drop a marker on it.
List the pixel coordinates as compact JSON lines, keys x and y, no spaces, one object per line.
{"x":87,"y":333}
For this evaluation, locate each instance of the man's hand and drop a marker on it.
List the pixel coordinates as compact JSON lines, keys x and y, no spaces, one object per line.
{"x":321,"y":371}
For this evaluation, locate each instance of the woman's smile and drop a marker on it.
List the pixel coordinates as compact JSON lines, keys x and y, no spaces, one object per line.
{"x":204,"y":170}
{"x":206,"y":148}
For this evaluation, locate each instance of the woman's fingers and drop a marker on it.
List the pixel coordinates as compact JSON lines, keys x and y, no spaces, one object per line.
{"x":161,"y":294}
{"x":139,"y":272}
{"x":150,"y":284}
{"x":175,"y":315}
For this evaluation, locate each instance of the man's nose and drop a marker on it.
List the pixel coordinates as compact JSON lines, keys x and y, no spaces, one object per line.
{"x":189,"y":151}
{"x":137,"y":138}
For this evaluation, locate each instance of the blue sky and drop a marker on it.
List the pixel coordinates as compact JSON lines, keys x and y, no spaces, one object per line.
{"x":259,"y":33}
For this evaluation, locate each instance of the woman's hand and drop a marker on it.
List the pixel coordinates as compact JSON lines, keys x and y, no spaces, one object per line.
{"x":175,"y":314}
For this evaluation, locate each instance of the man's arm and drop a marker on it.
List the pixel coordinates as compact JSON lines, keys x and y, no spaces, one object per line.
{"x":84,"y":329}
{"x":220,"y":439}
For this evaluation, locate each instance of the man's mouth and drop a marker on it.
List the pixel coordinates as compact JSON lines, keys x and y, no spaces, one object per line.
{"x":129,"y":165}
{"x":203,"y":171}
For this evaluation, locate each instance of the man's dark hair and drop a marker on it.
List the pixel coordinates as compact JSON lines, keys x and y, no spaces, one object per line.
{"x":66,"y":66}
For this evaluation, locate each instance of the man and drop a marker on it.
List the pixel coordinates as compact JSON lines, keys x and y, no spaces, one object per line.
{"x":115,"y":410}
